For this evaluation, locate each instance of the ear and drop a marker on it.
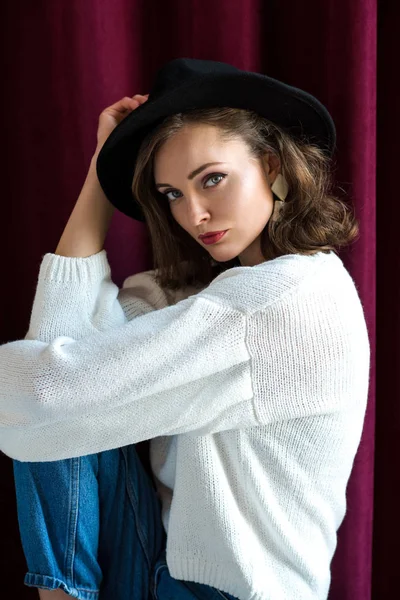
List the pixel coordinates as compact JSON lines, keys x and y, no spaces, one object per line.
{"x":272,"y":166}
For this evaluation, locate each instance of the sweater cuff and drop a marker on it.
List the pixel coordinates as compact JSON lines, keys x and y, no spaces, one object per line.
{"x":68,"y":269}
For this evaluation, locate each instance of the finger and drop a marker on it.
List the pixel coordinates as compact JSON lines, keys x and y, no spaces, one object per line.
{"x":140,"y":97}
{"x":125,"y":104}
{"x":127,"y":101}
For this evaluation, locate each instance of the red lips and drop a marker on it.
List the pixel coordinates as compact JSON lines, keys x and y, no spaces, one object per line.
{"x":212,"y":239}
{"x":211,"y":233}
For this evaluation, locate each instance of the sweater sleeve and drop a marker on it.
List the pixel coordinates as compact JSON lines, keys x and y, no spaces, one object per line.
{"x":182,"y":368}
{"x":77,"y":297}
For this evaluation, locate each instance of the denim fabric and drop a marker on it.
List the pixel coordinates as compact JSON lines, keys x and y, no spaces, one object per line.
{"x":92,"y":527}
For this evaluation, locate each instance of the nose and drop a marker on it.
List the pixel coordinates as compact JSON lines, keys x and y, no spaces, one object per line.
{"x":197,"y":210}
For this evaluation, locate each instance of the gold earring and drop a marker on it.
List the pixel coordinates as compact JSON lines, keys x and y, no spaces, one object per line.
{"x":280,"y":187}
{"x":280,"y":190}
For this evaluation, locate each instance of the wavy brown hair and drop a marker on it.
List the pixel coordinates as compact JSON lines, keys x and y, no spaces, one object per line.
{"x":312,"y":218}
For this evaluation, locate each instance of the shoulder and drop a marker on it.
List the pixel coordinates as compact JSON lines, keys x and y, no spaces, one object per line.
{"x":282,"y":280}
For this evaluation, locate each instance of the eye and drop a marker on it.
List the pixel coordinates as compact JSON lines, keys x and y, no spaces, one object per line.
{"x":214,"y":176}
{"x":207,"y":178}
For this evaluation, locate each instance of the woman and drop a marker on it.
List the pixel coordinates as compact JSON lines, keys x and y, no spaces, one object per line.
{"x":243,"y":357}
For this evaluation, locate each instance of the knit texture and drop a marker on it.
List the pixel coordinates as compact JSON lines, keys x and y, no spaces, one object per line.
{"x":252,"y":389}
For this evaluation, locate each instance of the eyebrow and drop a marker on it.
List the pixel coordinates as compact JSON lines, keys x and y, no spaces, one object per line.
{"x":193,"y":174}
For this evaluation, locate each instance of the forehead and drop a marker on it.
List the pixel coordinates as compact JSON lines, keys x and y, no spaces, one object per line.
{"x":192,"y":146}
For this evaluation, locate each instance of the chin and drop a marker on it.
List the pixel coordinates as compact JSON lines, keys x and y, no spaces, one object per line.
{"x":224,"y":256}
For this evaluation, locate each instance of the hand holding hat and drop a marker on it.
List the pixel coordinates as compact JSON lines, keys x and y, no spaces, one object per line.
{"x":114,"y":114}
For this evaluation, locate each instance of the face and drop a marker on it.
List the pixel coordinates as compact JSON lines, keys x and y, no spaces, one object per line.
{"x":233,"y":195}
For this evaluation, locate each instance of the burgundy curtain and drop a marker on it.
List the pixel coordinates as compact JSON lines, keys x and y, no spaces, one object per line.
{"x":64,"y":61}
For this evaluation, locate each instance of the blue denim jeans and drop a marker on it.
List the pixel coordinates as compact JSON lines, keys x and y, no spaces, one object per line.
{"x":92,"y":527}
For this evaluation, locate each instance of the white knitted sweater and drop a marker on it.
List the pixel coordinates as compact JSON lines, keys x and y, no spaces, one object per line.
{"x":252,"y":389}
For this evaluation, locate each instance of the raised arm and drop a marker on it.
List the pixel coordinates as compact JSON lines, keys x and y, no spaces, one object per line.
{"x":90,"y":219}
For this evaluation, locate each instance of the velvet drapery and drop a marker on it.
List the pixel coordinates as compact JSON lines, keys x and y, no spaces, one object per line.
{"x":64,"y":61}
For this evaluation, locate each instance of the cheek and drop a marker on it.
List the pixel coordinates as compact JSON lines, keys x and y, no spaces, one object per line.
{"x":249,"y":186}
{"x":178,"y":215}
{"x":243,"y":194}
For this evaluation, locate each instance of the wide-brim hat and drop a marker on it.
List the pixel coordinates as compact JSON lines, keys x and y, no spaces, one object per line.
{"x":187,"y":83}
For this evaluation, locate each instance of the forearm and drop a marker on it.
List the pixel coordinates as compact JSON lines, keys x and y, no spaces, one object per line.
{"x":90,"y":219}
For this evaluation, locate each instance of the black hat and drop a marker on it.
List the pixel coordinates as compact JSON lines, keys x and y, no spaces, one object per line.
{"x":186,"y":83}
